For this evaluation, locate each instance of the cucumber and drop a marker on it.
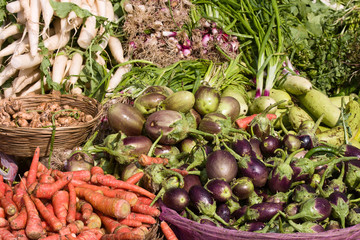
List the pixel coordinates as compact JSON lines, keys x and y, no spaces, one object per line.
{"x":296,"y":85}
{"x":317,"y":104}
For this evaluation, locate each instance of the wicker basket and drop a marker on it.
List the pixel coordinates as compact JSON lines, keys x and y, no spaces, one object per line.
{"x":22,"y":141}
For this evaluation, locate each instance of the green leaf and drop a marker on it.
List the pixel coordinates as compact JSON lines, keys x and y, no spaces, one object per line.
{"x":62,"y":9}
{"x":314,"y":24}
{"x":44,"y":68}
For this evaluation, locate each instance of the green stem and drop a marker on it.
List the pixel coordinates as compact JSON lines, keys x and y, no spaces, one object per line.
{"x":153,"y":146}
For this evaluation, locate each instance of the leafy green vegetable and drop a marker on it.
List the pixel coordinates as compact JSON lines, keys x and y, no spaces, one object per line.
{"x":324,"y":43}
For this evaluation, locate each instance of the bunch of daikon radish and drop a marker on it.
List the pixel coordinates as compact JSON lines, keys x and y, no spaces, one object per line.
{"x":39,"y":26}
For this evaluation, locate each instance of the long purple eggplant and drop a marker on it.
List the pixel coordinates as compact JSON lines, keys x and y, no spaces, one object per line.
{"x":314,"y":209}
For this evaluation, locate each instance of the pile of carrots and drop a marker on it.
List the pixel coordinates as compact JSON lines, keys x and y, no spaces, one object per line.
{"x":51,"y":204}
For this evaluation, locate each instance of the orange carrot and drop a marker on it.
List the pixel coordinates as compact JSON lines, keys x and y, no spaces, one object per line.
{"x":109,"y":223}
{"x":168,"y":232}
{"x":60,"y":202}
{"x":3,"y":222}
{"x":46,"y":178}
{"x":6,"y":234}
{"x":134,"y":179}
{"x":145,"y":160}
{"x":9,"y":206}
{"x":130,"y":223}
{"x":142,"y":231}
{"x":20,"y":221}
{"x":54,"y":237}
{"x":244,"y":122}
{"x":94,"y":221}
{"x":146,"y":209}
{"x":113,"y":207}
{"x":50,"y":218}
{"x":87,"y":235}
{"x":113,"y":193}
{"x":85,"y":208}
{"x":74,"y":227}
{"x":2,"y":212}
{"x":34,"y":228}
{"x":7,"y":203}
{"x":122,"y":236}
{"x":20,"y":234}
{"x":42,"y":167}
{"x":50,"y":208}
{"x":83,"y":175}
{"x":19,"y":190}
{"x":144,"y":200}
{"x":72,"y":204}
{"x":141,"y":218}
{"x":47,"y":190}
{"x":33,"y":167}
{"x":111,"y":181}
{"x":96,"y":169}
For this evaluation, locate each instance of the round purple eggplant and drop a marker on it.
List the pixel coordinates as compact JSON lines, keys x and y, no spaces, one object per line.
{"x":229,"y":107}
{"x":255,"y":169}
{"x":279,"y":198}
{"x":353,"y":218}
{"x":223,"y":211}
{"x":340,"y":206}
{"x":262,"y":212}
{"x":306,"y":142}
{"x":242,"y":187}
{"x":139,"y":145}
{"x":307,"y":227}
{"x":332,"y":225}
{"x":304,"y":168}
{"x":292,"y":209}
{"x":313,"y":209}
{"x":240,"y":212}
{"x":207,"y":100}
{"x":269,"y":145}
{"x":221,"y":164}
{"x":158,"y":89}
{"x":291,"y":142}
{"x":207,"y":221}
{"x":126,"y":118}
{"x":173,"y":125}
{"x":215,"y":123}
{"x":350,"y":151}
{"x":252,"y":226}
{"x":255,"y":146}
{"x":242,"y":147}
{"x":191,"y":180}
{"x":176,"y":199}
{"x":149,"y":103}
{"x":219,"y":188}
{"x":303,"y":192}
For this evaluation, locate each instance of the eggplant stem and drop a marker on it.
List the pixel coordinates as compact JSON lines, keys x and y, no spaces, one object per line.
{"x":192,"y":214}
{"x":153,"y":146}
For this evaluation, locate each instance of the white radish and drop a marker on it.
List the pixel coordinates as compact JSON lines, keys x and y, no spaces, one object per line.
{"x":63,"y":21}
{"x":22,"y":75}
{"x":7,"y":73}
{"x":25,"y":4}
{"x":87,"y":32}
{"x":116,"y":49}
{"x":35,"y":76}
{"x":72,"y":15}
{"x":20,"y":17}
{"x":110,"y":14}
{"x":58,"y":68}
{"x":33,"y":27}
{"x":57,"y":41}
{"x":90,"y":2}
{"x":9,"y":31}
{"x":35,"y":88}
{"x":22,"y":47}
{"x":75,"y":69}
{"x":8,"y":92}
{"x":25,"y":60}
{"x":76,"y":90}
{"x":67,"y":67}
{"x":116,"y":79}
{"x":14,"y":7}
{"x":101,"y":7}
{"x":11,"y":48}
{"x":47,"y":14}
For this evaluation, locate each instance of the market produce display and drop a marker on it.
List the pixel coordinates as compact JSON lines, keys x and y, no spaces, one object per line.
{"x":215,"y":119}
